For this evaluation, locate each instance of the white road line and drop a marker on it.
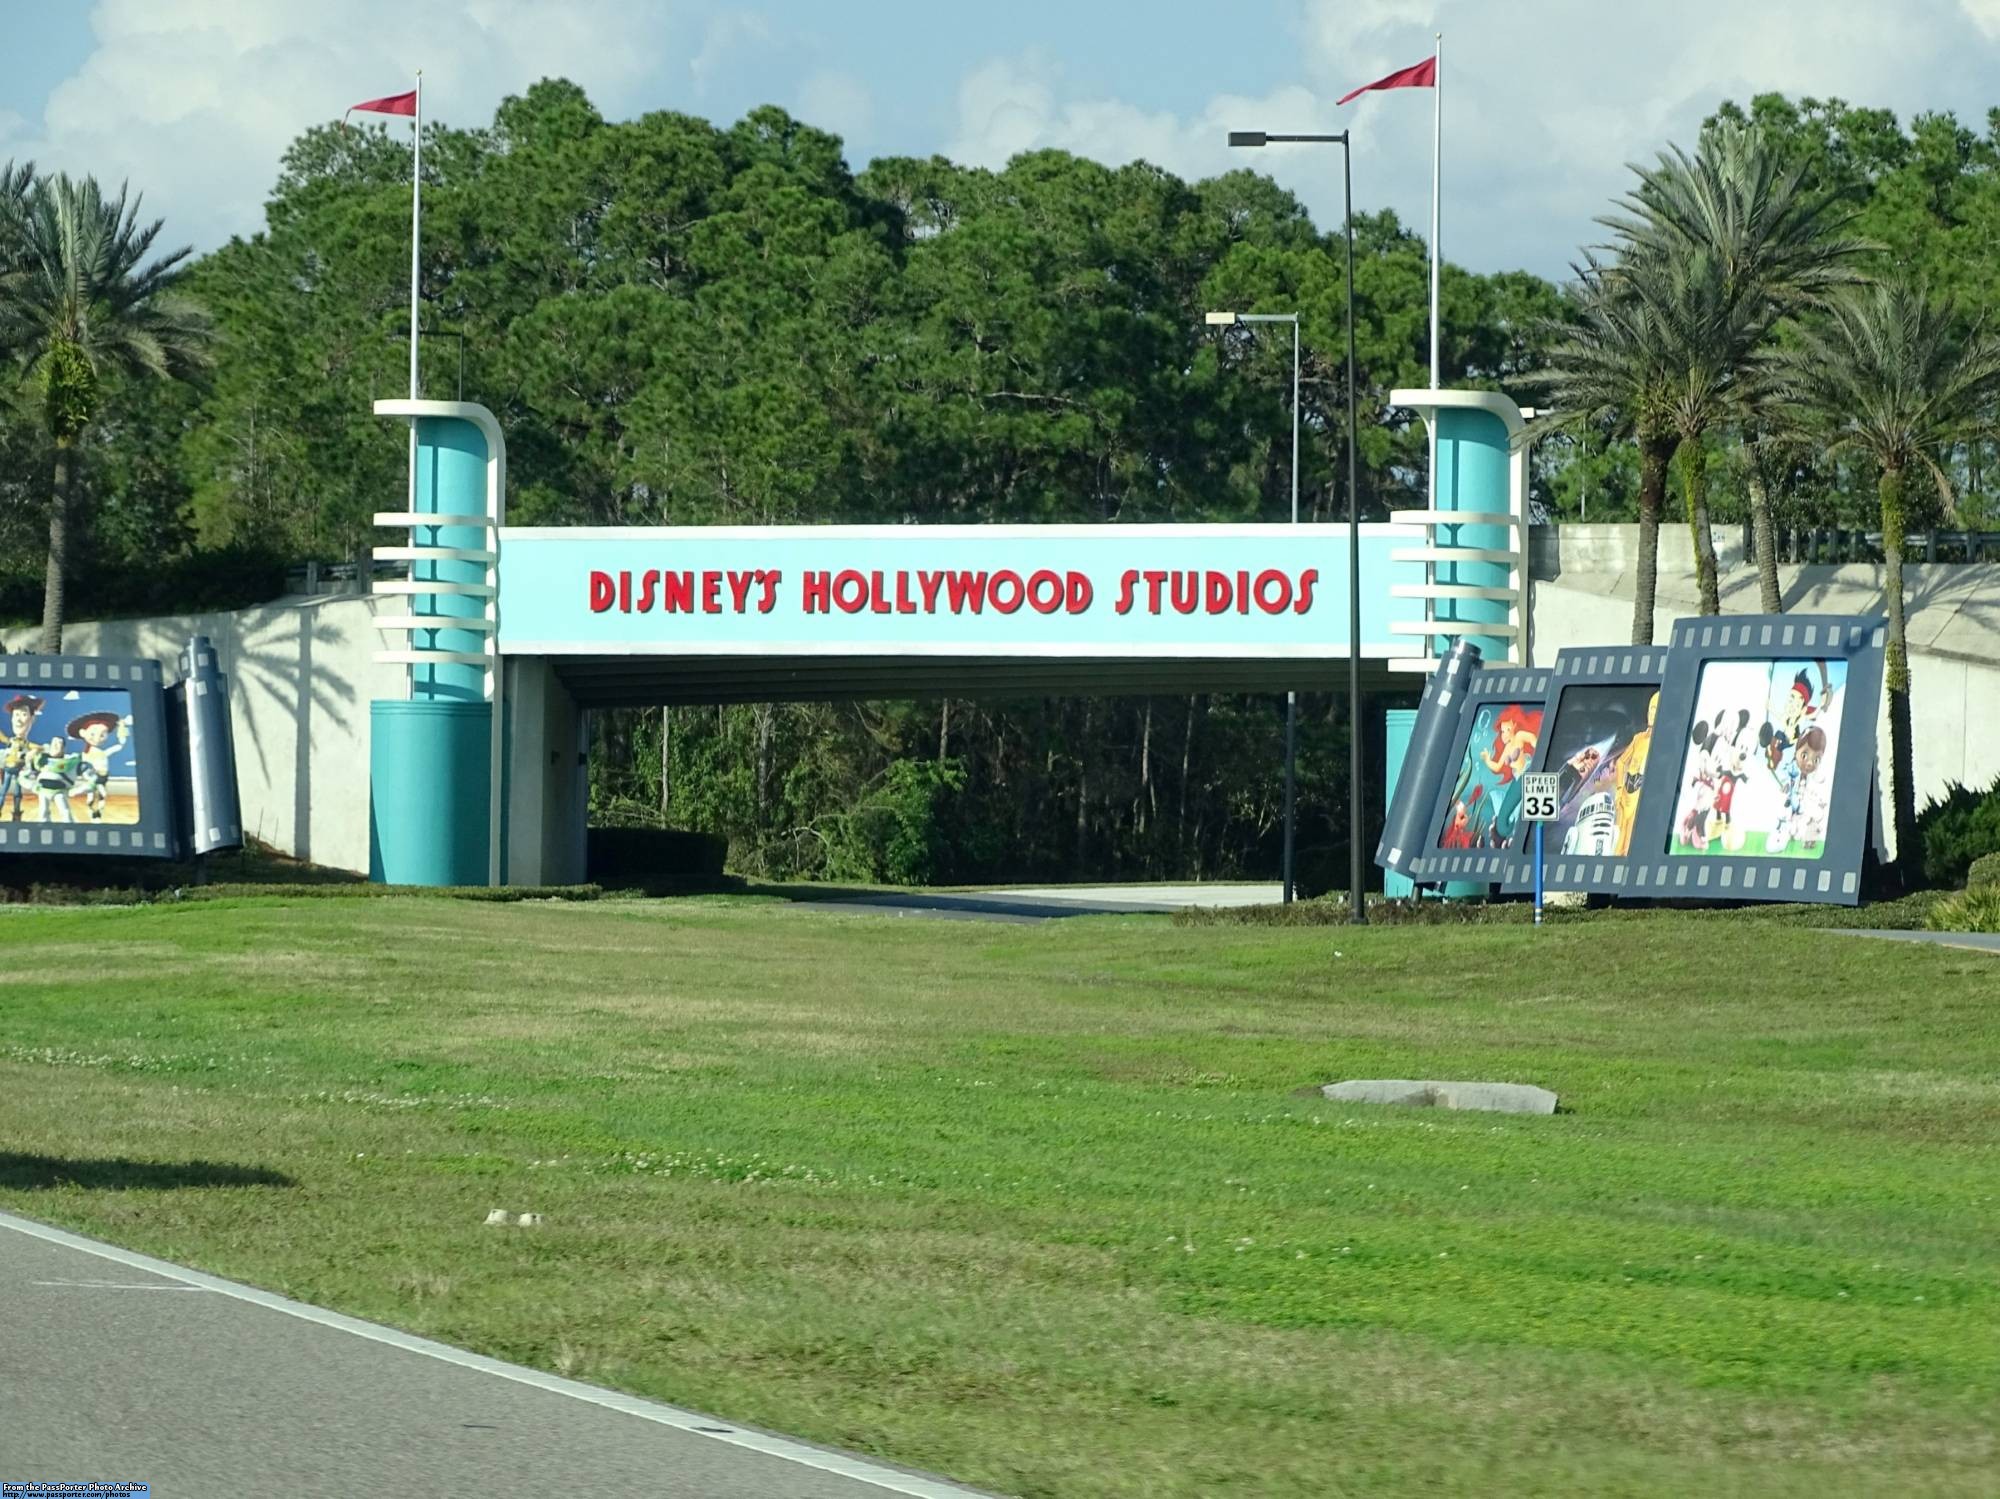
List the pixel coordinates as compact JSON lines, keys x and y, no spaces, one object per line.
{"x":112,"y":1285}
{"x":915,"y":1485}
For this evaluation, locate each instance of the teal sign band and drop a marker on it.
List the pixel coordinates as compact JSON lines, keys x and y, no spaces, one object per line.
{"x":1182,"y":591}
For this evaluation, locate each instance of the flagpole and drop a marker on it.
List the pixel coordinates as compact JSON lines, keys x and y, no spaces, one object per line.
{"x":1437,"y":157}
{"x":1437,"y":154}
{"x":416,"y":234}
{"x":417,"y":225}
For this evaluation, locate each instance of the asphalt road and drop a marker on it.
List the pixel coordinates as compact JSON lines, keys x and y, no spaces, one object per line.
{"x":117,"y":1366}
{"x":1051,"y":904}
{"x":1968,"y":941}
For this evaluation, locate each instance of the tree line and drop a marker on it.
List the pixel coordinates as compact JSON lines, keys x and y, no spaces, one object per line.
{"x":680,"y":323}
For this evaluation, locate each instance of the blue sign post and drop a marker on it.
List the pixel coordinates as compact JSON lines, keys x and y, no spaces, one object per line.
{"x":1541,"y":800}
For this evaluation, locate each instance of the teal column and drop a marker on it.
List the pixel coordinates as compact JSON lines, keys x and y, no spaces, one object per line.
{"x":430,"y":757}
{"x":1472,"y":474}
{"x":451,"y":480}
{"x":1398,"y":725}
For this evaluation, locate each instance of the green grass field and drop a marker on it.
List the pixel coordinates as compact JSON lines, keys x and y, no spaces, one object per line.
{"x":1052,"y":1208}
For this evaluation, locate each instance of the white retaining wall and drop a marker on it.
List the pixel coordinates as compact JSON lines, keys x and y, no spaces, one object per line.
{"x":1583,"y":596}
{"x":302,"y":674}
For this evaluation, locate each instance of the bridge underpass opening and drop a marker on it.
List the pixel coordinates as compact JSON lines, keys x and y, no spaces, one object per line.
{"x":987,"y":778}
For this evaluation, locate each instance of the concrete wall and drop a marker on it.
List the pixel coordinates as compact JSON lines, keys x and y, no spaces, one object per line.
{"x":548,"y":778}
{"x":1584,"y":590}
{"x":301,"y":676}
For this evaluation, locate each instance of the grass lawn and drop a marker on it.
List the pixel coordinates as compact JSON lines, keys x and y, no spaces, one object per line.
{"x":1051,"y":1208}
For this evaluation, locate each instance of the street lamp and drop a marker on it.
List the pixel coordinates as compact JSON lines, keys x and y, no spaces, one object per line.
{"x":1356,"y":896}
{"x":1225,"y":320}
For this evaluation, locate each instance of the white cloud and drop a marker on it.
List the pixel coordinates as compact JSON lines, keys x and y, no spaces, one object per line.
{"x":195,"y":100}
{"x":1544,"y":102}
{"x":1011,"y":105}
{"x":728,"y":33}
{"x":1985,"y":14}
{"x":1544,"y":105}
{"x":839,"y":102}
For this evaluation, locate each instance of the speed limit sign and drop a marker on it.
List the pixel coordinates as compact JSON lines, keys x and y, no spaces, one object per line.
{"x":1540,"y":791}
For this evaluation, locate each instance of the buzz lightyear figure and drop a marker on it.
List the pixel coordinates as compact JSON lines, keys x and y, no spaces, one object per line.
{"x":91,"y":782}
{"x":55,"y":773}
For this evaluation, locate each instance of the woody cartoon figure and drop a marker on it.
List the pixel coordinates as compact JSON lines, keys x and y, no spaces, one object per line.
{"x":93,"y":729}
{"x":16,"y":746}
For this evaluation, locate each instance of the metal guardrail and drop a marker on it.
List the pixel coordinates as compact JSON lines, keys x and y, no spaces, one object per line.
{"x":1835,"y":544}
{"x":340,"y":577}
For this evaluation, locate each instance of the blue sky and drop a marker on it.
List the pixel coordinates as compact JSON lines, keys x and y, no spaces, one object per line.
{"x":1545,"y":100}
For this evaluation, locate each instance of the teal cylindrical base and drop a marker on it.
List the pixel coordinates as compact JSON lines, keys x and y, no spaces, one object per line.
{"x":1398,"y":725}
{"x":429,"y":785}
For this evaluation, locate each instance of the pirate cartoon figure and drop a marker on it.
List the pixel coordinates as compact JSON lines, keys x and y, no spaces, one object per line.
{"x":94,"y":729}
{"x":1796,"y":717}
{"x":54,"y":773}
{"x":17,"y":722}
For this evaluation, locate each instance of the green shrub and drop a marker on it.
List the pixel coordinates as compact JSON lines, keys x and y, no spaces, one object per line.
{"x":1332,"y":910}
{"x":503,"y":894}
{"x":1908,"y":914}
{"x":231,"y":577}
{"x":1957,"y":828}
{"x":899,"y":833}
{"x":1975,"y":910}
{"x":1983,"y":871}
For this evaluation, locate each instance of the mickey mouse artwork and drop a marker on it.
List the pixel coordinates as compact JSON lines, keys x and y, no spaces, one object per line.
{"x":1758,"y":776}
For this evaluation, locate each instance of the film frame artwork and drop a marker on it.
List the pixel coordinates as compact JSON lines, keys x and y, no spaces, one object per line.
{"x":1766,"y":747}
{"x":1475,"y":814}
{"x":1602,"y":740}
{"x":84,"y":758}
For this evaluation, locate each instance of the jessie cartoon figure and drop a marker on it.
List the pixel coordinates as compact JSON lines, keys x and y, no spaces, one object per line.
{"x":19,"y":745}
{"x":93,"y":729}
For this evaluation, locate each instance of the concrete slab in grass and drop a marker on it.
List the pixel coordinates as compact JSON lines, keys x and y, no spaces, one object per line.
{"x":1493,"y":1098}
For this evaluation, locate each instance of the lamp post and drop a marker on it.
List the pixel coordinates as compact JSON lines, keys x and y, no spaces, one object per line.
{"x":1357,"y":897}
{"x":1229,"y":319}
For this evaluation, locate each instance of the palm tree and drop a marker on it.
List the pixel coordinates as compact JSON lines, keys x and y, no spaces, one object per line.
{"x":1885,"y":379}
{"x":1606,"y":366}
{"x":1770,"y":453}
{"x":1730,"y":242}
{"x":1706,"y":342}
{"x":77,"y":303}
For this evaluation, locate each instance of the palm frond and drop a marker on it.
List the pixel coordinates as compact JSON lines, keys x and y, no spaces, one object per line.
{"x":84,"y":273}
{"x":1884,"y":375}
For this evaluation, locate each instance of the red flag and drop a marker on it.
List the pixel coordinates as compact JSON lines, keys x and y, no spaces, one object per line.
{"x":393,"y":104}
{"x":1418,"y":75}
